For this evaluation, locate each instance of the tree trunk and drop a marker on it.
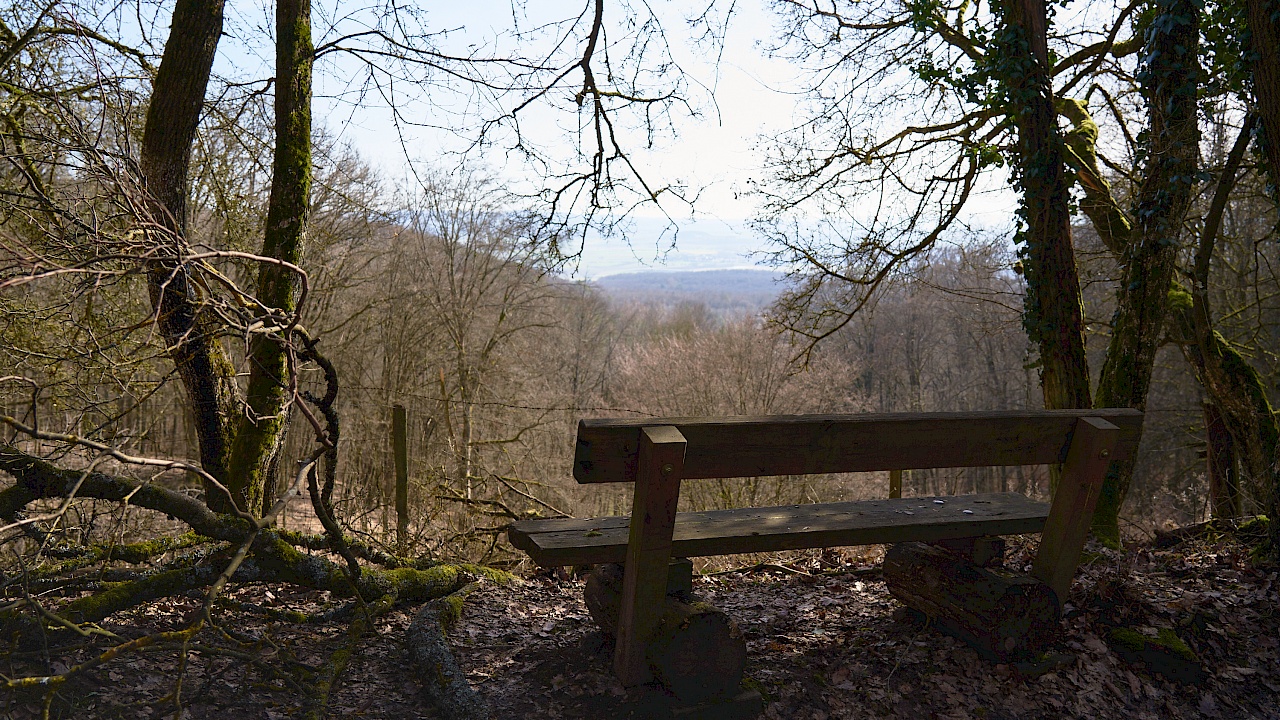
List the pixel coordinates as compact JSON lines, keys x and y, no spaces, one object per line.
{"x":1169,"y":76}
{"x":1220,"y":460}
{"x":1264,"y":61}
{"x":260,"y":432}
{"x":1004,"y":616}
{"x":697,"y":652}
{"x":177,"y":99}
{"x":1238,"y":391}
{"x":1264,"y":27}
{"x":1053,"y":314}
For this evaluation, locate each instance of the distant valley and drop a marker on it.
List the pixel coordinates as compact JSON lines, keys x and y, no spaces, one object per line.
{"x":724,"y":292}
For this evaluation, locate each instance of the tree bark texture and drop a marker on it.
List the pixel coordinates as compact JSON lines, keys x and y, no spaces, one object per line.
{"x":1220,"y":459}
{"x":173,"y":116}
{"x":1053,"y":311}
{"x":1169,"y":74}
{"x":1005,"y":617}
{"x":1264,"y":33}
{"x":1264,"y":39}
{"x":697,"y":652}
{"x":260,"y":431}
{"x":1240,"y":395}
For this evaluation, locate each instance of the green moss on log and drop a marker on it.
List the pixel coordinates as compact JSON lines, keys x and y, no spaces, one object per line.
{"x":501,"y":577}
{"x":1255,"y":526}
{"x":1171,"y":642}
{"x":1128,"y":639}
{"x":1166,"y":640}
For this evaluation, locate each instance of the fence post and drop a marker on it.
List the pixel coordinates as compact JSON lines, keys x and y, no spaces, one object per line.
{"x":895,"y":483}
{"x":400,"y":449}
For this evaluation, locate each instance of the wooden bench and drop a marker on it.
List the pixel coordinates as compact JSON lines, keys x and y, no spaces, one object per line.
{"x":657,"y":454}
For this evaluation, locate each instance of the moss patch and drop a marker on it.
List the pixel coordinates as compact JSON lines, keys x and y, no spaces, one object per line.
{"x":1128,"y":639}
{"x":501,"y":577}
{"x":1166,"y":654}
{"x":1171,"y":642}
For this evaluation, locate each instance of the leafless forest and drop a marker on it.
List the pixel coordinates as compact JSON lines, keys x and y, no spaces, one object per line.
{"x":213,"y":302}
{"x":496,"y":353}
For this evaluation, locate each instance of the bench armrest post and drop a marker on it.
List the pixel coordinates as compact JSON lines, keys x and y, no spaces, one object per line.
{"x":1092,"y":446}
{"x":660,"y":465}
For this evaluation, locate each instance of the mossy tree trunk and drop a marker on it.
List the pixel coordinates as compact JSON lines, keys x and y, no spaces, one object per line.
{"x":261,"y":429}
{"x":1169,"y":75}
{"x":1233,"y":386}
{"x":1238,"y":394}
{"x":1264,"y":33}
{"x":1053,"y":313}
{"x":190,"y":335}
{"x":239,"y":437}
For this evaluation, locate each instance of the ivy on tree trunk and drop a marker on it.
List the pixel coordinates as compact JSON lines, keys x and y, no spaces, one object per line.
{"x":1053,"y":312}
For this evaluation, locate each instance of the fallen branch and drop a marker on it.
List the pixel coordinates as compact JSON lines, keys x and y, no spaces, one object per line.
{"x":267,"y":556}
{"x":428,"y":645}
{"x":341,"y":657}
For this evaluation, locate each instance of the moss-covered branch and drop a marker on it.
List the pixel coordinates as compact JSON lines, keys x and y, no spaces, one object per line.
{"x":271,"y":556}
{"x":38,"y":479}
{"x":442,"y":680}
{"x":1113,"y":225}
{"x":361,"y":550}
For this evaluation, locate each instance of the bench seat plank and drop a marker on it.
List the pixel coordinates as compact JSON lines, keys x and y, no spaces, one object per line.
{"x":575,"y":541}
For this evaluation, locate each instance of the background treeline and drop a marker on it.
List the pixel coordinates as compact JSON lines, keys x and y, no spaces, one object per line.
{"x":435,"y":299}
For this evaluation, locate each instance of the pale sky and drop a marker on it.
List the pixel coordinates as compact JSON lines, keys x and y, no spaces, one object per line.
{"x":712,"y":156}
{"x":738,"y":100}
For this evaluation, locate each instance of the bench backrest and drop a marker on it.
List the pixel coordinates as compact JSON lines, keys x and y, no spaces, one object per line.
{"x":728,"y":447}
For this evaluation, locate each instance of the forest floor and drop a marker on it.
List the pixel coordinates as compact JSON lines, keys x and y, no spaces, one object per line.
{"x":825,"y":640}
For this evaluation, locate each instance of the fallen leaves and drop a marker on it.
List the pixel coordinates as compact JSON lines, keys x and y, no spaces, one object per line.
{"x":824,"y":640}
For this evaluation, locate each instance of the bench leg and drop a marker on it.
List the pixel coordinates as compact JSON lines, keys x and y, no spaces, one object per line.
{"x":1072,"y":508}
{"x":653,"y":514}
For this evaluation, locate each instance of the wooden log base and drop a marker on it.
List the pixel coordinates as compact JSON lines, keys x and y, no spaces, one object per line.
{"x":697,"y":653}
{"x":981,"y":551}
{"x":1004,"y":616}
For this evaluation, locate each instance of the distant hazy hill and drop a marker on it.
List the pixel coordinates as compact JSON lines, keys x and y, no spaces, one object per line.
{"x":724,"y":292}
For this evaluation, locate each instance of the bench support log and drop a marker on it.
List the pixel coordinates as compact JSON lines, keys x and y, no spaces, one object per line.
{"x":1071,"y":511}
{"x":659,"y":467}
{"x":697,"y":651}
{"x":981,"y":551}
{"x":1005,"y":616}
